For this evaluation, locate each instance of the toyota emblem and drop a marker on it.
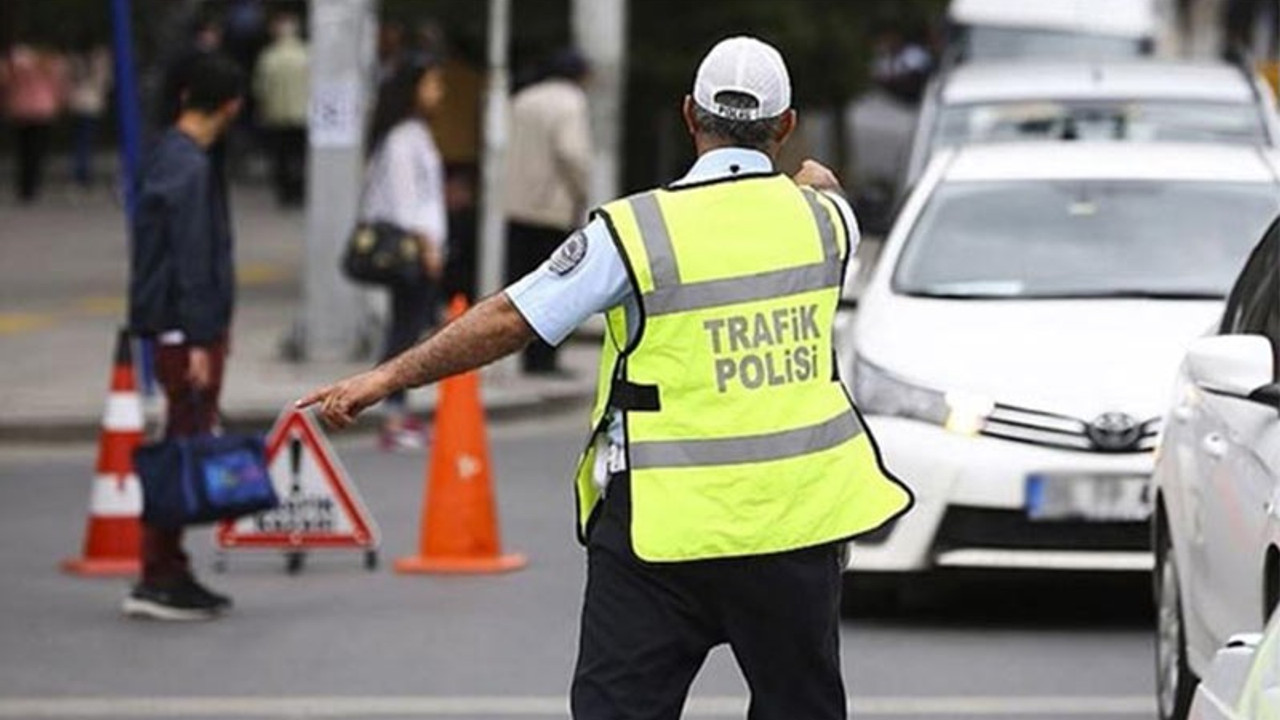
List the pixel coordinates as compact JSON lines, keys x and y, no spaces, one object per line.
{"x":1114,"y":432}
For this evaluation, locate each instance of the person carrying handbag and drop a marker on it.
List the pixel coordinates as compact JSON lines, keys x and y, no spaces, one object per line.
{"x":181,"y":295}
{"x":404,"y":194}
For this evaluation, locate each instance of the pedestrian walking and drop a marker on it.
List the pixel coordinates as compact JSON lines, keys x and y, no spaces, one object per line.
{"x":89,"y":80}
{"x":280,"y":83}
{"x":182,"y":293}
{"x":203,"y":40}
{"x":547,"y":171}
{"x":727,"y":465}
{"x":33,"y":79}
{"x":404,"y":188}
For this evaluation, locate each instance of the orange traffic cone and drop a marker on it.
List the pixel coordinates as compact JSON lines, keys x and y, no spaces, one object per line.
{"x":115,"y":503}
{"x":459,"y":531}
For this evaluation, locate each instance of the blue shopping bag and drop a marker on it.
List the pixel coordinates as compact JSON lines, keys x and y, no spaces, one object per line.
{"x":203,"y":479}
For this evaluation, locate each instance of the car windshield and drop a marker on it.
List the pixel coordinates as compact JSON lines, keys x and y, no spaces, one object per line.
{"x":1092,"y":238}
{"x":1144,"y":120}
{"x":1003,"y":43}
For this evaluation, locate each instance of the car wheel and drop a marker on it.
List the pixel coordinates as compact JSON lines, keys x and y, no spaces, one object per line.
{"x":1175,"y":683}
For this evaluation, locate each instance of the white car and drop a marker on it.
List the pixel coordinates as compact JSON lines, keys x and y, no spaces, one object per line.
{"x":1217,"y":485}
{"x":1013,"y":348}
{"x":1243,"y":682}
{"x":1122,"y":100}
{"x":986,"y":29}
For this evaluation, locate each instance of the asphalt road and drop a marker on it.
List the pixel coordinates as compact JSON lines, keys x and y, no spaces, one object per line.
{"x":338,"y":641}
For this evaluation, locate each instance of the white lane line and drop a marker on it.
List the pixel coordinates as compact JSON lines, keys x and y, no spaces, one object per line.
{"x":541,"y":706}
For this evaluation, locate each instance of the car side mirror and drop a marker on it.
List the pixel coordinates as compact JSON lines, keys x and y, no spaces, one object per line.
{"x":1234,"y":365}
{"x":1268,"y":395}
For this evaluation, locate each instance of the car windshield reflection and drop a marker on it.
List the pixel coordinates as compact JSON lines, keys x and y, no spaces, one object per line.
{"x":1083,"y":239}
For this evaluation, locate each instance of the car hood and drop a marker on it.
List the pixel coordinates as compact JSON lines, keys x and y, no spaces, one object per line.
{"x":1073,"y":357}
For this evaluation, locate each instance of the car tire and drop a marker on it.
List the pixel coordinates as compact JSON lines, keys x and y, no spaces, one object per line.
{"x":1175,"y":683}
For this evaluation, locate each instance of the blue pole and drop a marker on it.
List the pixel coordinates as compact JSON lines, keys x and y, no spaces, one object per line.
{"x":129,"y":111}
{"x":127,"y":106}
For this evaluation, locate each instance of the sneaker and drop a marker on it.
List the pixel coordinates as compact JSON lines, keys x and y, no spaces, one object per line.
{"x":402,"y":439}
{"x":221,"y":603}
{"x":182,"y":600}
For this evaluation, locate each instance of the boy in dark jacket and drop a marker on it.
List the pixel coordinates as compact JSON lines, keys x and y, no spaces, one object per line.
{"x":181,"y":294}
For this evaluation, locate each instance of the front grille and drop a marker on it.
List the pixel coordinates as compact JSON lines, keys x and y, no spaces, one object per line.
{"x":1061,"y":431}
{"x":969,"y":527}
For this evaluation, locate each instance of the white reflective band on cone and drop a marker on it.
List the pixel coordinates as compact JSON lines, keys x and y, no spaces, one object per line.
{"x":112,"y":497}
{"x":124,"y":412}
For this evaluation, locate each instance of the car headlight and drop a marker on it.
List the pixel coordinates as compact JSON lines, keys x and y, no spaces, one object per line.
{"x":878,"y":392}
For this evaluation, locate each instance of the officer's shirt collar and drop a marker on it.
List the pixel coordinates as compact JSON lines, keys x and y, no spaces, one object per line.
{"x":724,"y":163}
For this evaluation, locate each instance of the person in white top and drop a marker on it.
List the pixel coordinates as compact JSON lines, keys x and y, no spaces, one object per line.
{"x":281,"y":84}
{"x":547,"y":169}
{"x":404,"y":187}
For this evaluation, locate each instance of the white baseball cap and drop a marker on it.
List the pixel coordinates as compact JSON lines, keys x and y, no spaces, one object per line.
{"x":743,"y":65}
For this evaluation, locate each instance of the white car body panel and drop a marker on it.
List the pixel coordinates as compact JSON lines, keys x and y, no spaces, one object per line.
{"x":993,"y":82}
{"x":1125,"y":18}
{"x":1218,"y":477}
{"x":1243,"y":681}
{"x":1005,"y":349}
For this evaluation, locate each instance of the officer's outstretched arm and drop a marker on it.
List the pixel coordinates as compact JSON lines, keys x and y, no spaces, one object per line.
{"x":490,"y":330}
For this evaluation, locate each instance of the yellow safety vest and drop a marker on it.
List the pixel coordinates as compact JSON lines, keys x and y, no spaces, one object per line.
{"x":740,"y":438}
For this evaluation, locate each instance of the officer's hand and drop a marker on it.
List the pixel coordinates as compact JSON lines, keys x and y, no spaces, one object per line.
{"x":341,"y":402}
{"x":817,"y":176}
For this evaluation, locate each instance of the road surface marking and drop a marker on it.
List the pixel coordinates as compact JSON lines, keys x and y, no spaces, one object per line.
{"x":541,"y":706}
{"x":17,"y":322}
{"x":260,"y":273}
{"x":101,"y":305}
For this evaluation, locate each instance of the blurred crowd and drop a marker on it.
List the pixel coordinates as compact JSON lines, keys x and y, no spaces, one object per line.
{"x":40,"y":86}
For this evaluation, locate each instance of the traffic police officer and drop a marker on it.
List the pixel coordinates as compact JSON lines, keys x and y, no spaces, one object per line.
{"x":726,"y":466}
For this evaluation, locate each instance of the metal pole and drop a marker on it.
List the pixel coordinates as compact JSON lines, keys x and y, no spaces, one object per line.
{"x":492,"y":225}
{"x":126,"y":80}
{"x":129,"y":112}
{"x":600,"y":31}
{"x":341,"y":70}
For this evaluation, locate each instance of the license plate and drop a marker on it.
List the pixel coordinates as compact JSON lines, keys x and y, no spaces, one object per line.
{"x":1094,"y":497}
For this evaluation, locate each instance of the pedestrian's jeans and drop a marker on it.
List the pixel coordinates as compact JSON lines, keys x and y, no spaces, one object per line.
{"x":190,"y":412}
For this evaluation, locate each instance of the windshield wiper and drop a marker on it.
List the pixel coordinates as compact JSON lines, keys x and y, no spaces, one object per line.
{"x":1127,"y":293}
{"x":1072,"y":295}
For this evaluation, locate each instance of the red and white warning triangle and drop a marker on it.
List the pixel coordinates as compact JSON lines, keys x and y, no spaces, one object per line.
{"x":319,"y":505}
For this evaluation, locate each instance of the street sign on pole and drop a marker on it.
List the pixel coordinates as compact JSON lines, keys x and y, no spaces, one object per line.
{"x":341,"y":71}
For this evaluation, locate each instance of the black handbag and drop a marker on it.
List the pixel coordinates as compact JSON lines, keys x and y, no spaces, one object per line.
{"x":380,"y":253}
{"x":190,"y":480}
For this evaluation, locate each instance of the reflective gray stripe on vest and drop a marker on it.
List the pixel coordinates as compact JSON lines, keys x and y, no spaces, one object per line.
{"x":746,"y":288}
{"x":671,"y":296}
{"x":754,"y":449}
{"x":656,"y":239}
{"x":826,"y":229}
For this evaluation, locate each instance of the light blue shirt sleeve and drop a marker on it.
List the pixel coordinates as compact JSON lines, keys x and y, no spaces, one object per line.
{"x":562,"y":293}
{"x":850,"y":221}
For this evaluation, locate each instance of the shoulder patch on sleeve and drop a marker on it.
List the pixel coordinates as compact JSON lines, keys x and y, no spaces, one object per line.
{"x":569,"y":255}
